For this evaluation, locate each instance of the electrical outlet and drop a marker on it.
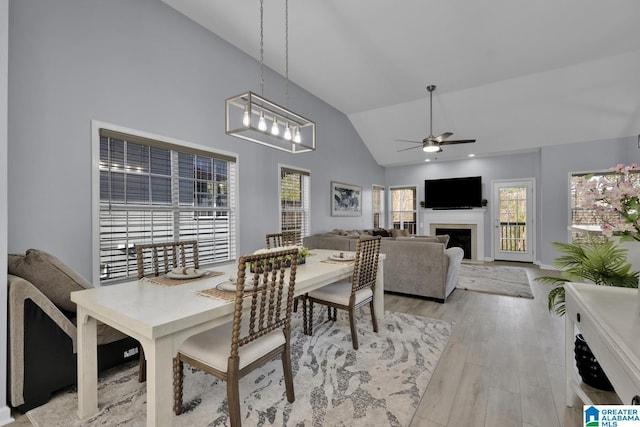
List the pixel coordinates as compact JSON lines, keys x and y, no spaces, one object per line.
{"x":131,"y":352}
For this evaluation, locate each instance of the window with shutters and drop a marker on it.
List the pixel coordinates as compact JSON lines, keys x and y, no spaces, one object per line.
{"x":404,"y":208}
{"x":153,"y":191}
{"x":295,"y":210}
{"x":378,"y":206}
{"x":582,"y":210}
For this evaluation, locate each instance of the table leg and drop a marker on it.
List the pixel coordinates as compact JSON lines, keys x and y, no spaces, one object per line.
{"x":87,"y":365}
{"x":159,"y":382}
{"x":378,"y":298}
{"x":569,"y":326}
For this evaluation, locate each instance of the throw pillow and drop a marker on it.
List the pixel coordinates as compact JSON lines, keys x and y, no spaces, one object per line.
{"x":380,"y":232}
{"x":395,"y":233}
{"x":443,"y":238}
{"x":51,"y":276}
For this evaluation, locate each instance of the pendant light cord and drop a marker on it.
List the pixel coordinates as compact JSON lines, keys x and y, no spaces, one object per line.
{"x":286,"y":50}
{"x":261,"y":47}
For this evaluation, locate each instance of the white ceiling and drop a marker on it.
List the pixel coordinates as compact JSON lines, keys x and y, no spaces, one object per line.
{"x":513,"y":75}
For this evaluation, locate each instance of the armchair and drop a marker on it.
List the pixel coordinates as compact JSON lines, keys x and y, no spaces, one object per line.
{"x":42,"y":330}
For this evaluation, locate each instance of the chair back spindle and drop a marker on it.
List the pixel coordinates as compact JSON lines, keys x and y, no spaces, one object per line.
{"x":277,"y":240}
{"x":160,"y":258}
{"x":270,"y":288}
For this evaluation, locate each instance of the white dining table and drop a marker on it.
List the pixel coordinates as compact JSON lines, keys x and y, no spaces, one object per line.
{"x":162,"y":317}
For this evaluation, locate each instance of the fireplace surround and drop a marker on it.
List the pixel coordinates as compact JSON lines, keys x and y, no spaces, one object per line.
{"x":458,"y":219}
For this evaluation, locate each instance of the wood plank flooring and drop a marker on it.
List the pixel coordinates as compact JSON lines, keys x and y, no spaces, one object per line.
{"x":504,"y":363}
{"x":502,"y":367}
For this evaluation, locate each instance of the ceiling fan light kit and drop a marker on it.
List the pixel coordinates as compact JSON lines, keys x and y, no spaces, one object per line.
{"x":248,"y":115}
{"x":432,"y":144}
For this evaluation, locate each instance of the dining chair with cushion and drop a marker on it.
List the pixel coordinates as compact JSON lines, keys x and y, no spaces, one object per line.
{"x":260,"y":330}
{"x":276,"y":240}
{"x":351,"y":294}
{"x":161,"y":258}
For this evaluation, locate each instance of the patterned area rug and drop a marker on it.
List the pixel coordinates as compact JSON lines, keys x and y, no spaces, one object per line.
{"x":511,"y":281}
{"x":380,"y":384}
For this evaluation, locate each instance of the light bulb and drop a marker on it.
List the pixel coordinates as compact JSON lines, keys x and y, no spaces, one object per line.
{"x":246,"y":120}
{"x":296,"y":135}
{"x":430,"y":147}
{"x":287,"y":132}
{"x":275,"y":130}
{"x":262,"y":124}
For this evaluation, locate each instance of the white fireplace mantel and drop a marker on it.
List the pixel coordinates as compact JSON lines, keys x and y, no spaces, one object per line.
{"x":458,"y":218}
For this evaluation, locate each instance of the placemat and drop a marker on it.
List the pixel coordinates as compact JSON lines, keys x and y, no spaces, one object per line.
{"x":218,"y":294}
{"x":166,"y":281}
{"x":330,"y":261}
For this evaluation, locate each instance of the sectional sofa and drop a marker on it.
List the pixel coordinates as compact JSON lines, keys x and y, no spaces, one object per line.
{"x":415,"y":265}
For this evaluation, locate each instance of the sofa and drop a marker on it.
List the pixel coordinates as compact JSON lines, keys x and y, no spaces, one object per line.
{"x":415,"y":265}
{"x":42,"y":330}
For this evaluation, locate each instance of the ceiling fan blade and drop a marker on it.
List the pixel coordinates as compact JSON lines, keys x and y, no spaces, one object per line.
{"x":405,"y":149}
{"x":442,"y":136}
{"x":459,"y":141}
{"x":406,"y":140}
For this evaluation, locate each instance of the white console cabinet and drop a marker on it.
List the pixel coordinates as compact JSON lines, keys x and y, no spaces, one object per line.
{"x":609,"y":321}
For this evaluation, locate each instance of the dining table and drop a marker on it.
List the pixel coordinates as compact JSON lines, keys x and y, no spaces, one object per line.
{"x":161,"y":317}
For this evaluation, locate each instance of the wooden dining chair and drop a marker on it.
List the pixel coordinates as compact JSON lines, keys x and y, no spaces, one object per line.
{"x":351,"y":294}
{"x":260,"y":331}
{"x":161,"y":258}
{"x":276,"y":240}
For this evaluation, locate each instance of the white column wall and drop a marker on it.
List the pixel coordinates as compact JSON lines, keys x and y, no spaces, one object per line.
{"x":5,"y":413}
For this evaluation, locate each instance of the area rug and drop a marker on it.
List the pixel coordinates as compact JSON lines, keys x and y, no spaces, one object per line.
{"x":502,"y":280}
{"x":379,"y":384}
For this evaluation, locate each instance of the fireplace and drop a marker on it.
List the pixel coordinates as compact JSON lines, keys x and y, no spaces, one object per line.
{"x":466,"y":224}
{"x":458,"y":238}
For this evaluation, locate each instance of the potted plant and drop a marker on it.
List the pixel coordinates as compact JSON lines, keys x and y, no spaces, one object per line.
{"x":601,"y":263}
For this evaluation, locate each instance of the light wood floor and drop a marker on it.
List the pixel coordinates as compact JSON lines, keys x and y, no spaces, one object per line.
{"x":502,"y":367}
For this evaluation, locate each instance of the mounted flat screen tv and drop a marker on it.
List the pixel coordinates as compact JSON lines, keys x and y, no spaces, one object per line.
{"x":453,"y":193}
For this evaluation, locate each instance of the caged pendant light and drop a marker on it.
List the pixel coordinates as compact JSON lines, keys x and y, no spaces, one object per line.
{"x":254,"y":118}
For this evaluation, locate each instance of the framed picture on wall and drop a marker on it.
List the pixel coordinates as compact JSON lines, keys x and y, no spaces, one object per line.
{"x":346,"y":199}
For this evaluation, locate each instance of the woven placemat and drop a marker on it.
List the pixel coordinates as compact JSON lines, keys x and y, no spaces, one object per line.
{"x":166,"y":281}
{"x":330,"y":261}
{"x":218,"y":294}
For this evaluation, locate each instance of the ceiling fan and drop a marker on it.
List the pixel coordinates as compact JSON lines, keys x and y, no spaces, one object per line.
{"x":432,"y":144}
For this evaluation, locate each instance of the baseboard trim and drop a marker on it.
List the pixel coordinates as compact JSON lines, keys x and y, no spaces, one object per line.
{"x":5,"y":416}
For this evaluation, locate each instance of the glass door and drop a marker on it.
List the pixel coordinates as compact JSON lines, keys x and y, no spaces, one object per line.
{"x":513,"y":220}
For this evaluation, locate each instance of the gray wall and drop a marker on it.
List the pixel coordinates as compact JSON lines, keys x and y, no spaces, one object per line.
{"x":550,"y":167}
{"x":5,"y":413}
{"x":142,"y":65}
{"x":557,"y":163}
{"x":515,"y":166}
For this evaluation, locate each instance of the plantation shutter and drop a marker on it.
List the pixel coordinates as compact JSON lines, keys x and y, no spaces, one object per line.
{"x":153,"y":192}
{"x":294,"y":202}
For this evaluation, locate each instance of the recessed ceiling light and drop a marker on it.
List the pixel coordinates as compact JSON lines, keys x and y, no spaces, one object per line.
{"x":472,"y":155}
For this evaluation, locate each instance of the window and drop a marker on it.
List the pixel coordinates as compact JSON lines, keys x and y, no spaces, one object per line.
{"x":582,"y":212}
{"x":294,"y":202}
{"x":378,"y":206}
{"x":152,"y":191}
{"x":403,"y":208}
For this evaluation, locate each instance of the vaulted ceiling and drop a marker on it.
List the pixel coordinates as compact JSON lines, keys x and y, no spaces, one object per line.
{"x":513,"y":75}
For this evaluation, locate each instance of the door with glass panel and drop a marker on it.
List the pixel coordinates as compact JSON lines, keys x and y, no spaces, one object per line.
{"x":512,"y":215}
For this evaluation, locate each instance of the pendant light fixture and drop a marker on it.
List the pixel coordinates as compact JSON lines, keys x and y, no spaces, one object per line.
{"x":254,"y":118}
